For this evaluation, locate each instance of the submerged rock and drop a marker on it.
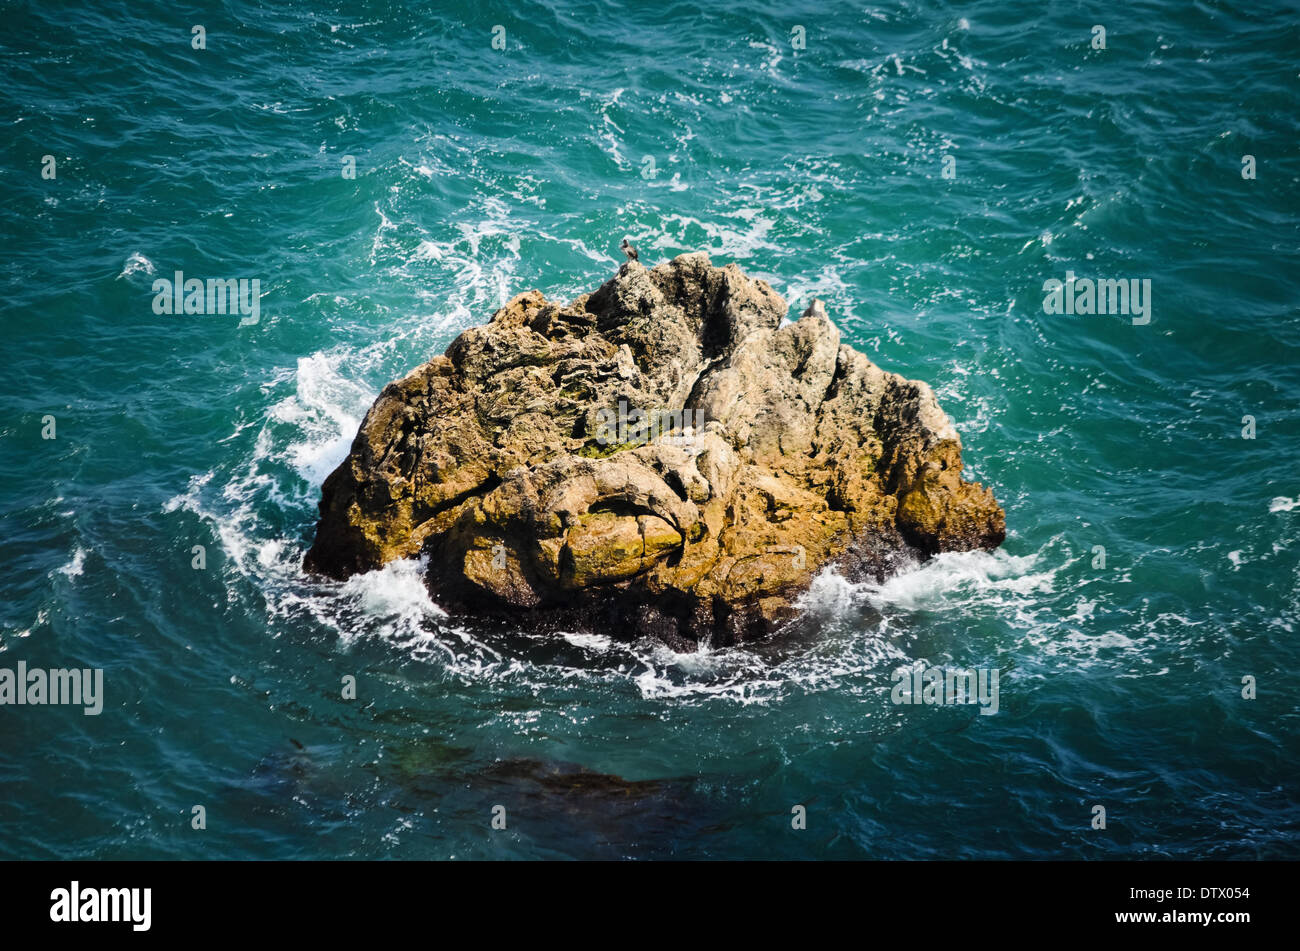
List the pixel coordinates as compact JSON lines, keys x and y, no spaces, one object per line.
{"x":663,"y":456}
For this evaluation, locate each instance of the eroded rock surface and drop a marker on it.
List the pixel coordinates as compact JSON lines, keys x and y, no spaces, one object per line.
{"x":504,"y":462}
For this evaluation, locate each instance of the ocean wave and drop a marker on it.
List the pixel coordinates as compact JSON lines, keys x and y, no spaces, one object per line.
{"x":75,"y":567}
{"x":137,"y":263}
{"x":962,"y":580}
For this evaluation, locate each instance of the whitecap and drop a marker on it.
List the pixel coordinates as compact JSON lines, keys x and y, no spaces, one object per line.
{"x":136,"y":264}
{"x":76,"y":566}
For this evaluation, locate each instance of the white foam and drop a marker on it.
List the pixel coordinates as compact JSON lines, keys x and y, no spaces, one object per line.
{"x":1083,"y":609}
{"x":830,"y":594}
{"x":395,"y":591}
{"x":326,"y":409}
{"x":76,"y":566}
{"x":592,"y":642}
{"x":955,"y":579}
{"x":723,"y":238}
{"x":774,"y":56}
{"x":136,"y":264}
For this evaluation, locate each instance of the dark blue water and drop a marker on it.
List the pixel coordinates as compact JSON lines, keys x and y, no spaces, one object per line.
{"x":482,"y":173}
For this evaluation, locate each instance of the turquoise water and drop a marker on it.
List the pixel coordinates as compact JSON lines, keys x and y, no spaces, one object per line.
{"x":482,"y":173}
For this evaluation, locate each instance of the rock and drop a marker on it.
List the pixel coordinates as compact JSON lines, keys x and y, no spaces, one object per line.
{"x":514,"y":462}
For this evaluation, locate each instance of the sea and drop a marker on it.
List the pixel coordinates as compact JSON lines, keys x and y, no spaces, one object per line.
{"x":390,"y":173}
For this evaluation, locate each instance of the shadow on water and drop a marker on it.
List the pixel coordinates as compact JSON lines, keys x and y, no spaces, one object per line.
{"x":563,"y":808}
{"x":552,"y":808}
{"x":399,"y":777}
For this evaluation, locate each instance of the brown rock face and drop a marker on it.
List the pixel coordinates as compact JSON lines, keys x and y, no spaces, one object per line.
{"x":537,"y":464}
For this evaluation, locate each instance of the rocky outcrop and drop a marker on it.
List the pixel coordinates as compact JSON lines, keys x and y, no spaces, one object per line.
{"x":663,"y":456}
